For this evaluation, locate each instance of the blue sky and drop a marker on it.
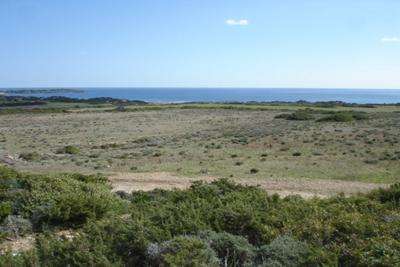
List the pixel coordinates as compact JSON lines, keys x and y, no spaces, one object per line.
{"x":200,"y":43}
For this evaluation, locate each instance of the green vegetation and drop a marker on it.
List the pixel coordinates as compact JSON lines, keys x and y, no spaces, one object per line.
{"x":30,"y":156}
{"x":345,"y":117}
{"x":68,"y":150}
{"x":210,"y":224}
{"x":5,"y":210}
{"x":66,"y":199}
{"x":296,"y":116}
{"x":334,"y":116}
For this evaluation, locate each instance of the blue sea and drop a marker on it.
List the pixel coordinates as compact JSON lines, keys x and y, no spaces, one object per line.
{"x":175,"y":95}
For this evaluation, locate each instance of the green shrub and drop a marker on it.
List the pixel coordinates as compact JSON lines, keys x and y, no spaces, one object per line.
{"x":65,"y":201}
{"x":72,"y":208}
{"x":338,"y":117}
{"x":15,"y":226}
{"x":5,"y":210}
{"x":232,"y":250}
{"x":283,"y":251}
{"x":360,"y":116}
{"x":240,"y":140}
{"x":371,"y":161}
{"x":30,"y":156}
{"x":68,"y":150}
{"x":11,"y":190}
{"x":52,"y":250}
{"x":296,"y":116}
{"x":182,"y":251}
{"x":21,"y":259}
{"x":59,"y":199}
{"x":344,"y":116}
{"x":254,"y":171}
{"x":119,"y":239}
{"x":391,"y":195}
{"x":107,"y":146}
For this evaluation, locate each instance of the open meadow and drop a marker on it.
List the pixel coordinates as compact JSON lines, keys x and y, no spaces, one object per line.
{"x":148,"y":146}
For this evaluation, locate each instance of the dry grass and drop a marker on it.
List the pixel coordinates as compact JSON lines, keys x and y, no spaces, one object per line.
{"x":214,"y":142}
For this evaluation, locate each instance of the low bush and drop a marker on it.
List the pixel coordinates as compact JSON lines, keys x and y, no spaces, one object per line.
{"x":344,"y":116}
{"x":390,"y":195}
{"x":68,"y":150}
{"x":240,"y":140}
{"x":56,"y":200}
{"x":53,"y":250}
{"x":296,"y":116}
{"x":254,"y":171}
{"x":107,"y":146}
{"x":283,"y":251}
{"x":232,"y":250}
{"x":15,"y":226}
{"x":30,"y":156}
{"x":360,"y":116}
{"x":338,"y":117}
{"x":181,"y":251}
{"x":5,"y":210}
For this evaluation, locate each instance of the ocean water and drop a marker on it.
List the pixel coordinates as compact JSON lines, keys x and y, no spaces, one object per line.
{"x":167,"y":95}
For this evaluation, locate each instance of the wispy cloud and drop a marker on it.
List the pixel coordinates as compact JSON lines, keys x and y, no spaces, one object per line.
{"x":390,"y":39}
{"x":237,"y":22}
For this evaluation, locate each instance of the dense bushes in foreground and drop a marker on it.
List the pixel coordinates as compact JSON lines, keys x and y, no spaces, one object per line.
{"x":66,"y":199}
{"x":215,"y":224}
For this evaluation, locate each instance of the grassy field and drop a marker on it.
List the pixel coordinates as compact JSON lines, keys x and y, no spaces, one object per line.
{"x":210,"y":139}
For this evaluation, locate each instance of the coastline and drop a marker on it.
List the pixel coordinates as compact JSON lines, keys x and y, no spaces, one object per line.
{"x":180,"y":95}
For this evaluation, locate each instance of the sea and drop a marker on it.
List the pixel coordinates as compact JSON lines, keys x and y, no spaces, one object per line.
{"x":178,"y":95}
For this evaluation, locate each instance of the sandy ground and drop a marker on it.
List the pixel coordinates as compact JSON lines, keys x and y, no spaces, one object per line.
{"x":129,"y":182}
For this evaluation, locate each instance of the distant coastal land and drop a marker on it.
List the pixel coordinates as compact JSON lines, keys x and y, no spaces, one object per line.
{"x":41,"y":91}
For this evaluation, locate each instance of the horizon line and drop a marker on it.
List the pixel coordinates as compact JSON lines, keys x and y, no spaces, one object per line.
{"x":188,"y":87}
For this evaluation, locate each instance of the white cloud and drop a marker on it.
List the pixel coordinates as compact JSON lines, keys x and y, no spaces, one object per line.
{"x":390,"y":39}
{"x":237,"y":22}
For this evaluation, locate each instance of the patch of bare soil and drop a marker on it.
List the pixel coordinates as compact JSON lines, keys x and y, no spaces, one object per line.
{"x":18,"y":244}
{"x":306,"y":188}
{"x":24,"y":243}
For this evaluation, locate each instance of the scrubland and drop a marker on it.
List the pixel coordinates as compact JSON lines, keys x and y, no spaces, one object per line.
{"x":93,"y":185}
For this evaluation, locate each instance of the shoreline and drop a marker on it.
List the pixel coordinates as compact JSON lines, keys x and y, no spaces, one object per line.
{"x":225,"y":95}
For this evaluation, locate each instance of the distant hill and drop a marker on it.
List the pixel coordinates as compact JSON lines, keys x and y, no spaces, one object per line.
{"x":40,"y":91}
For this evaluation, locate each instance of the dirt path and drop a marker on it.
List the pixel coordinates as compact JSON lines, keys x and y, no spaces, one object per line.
{"x":306,"y":188}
